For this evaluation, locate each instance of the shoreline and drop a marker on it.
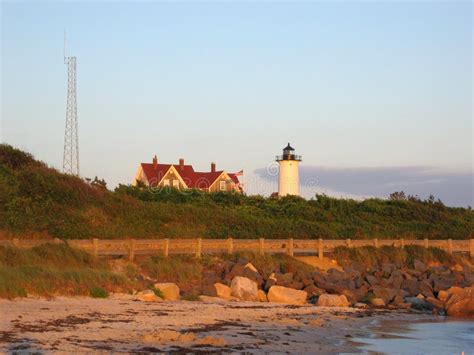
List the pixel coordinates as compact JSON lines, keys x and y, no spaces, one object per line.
{"x":78,"y":324}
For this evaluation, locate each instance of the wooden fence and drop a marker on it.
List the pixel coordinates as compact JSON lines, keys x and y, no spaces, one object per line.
{"x":199,"y":246}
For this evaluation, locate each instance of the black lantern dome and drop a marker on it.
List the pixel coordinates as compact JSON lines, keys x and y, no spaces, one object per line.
{"x":289,"y":154}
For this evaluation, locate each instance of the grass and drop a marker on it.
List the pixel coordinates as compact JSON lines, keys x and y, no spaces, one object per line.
{"x":371,"y":256}
{"x":157,"y":292}
{"x":51,"y":269}
{"x":179,"y":268}
{"x":99,"y":292}
{"x":191,"y":298}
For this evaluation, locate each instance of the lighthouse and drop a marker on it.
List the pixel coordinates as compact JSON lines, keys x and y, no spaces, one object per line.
{"x":289,"y":180}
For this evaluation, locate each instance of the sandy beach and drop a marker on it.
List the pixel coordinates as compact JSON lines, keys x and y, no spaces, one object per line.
{"x":78,"y":324}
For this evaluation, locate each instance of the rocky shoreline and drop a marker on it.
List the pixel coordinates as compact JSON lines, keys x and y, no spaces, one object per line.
{"x":432,"y":288}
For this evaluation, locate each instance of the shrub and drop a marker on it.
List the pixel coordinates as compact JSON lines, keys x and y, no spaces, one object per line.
{"x":99,"y":292}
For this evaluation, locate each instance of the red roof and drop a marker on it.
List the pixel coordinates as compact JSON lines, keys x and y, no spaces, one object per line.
{"x":193,"y":179}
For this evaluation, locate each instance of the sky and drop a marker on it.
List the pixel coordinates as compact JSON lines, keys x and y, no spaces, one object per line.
{"x":376,"y":96}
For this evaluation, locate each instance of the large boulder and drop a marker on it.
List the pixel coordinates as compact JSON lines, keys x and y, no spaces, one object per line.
{"x":461,"y":304}
{"x":326,"y":300}
{"x":419,"y":304}
{"x":419,"y":266}
{"x":387,"y":294}
{"x":377,"y":302}
{"x":412,"y":286}
{"x":262,"y":296}
{"x":244,"y":289}
{"x":443,"y":282}
{"x":223,"y":291}
{"x":282,"y":294}
{"x":169,"y":290}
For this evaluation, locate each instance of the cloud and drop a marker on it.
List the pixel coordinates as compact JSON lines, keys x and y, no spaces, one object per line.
{"x":453,"y":188}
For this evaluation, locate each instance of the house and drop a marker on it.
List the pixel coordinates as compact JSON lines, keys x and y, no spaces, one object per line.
{"x":182,"y":177}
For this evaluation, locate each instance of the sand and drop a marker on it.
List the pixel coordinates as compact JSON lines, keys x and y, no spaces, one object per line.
{"x":120,"y":324}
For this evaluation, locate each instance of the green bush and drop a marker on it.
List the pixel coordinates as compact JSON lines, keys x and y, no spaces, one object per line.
{"x":99,"y":292}
{"x":32,"y":196}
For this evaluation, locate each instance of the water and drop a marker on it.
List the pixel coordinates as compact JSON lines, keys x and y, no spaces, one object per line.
{"x":440,"y":337}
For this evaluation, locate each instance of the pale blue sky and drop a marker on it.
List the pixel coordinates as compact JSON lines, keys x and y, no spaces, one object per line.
{"x":349,"y":84}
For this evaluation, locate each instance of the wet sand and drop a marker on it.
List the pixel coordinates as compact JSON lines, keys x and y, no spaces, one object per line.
{"x":79,"y":324}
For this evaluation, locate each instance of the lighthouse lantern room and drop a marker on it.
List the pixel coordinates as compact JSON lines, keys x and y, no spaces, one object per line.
{"x":289,"y":180}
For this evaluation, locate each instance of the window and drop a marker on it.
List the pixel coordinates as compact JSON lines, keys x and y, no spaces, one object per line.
{"x":176,"y":184}
{"x":166,"y":182}
{"x":222,"y":185}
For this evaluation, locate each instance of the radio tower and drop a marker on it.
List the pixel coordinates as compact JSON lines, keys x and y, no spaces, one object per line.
{"x":71,"y":140}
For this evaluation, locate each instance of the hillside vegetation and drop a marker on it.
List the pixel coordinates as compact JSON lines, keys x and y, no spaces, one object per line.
{"x":36,"y":200}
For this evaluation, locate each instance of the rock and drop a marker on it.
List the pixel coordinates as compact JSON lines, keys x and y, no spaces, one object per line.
{"x":411,"y":286}
{"x":435,"y":302}
{"x":360,"y":305}
{"x":387,"y":294}
{"x":244,"y":271}
{"x":327,"y":300}
{"x":282,"y":294}
{"x":443,"y":295}
{"x":170,"y":290}
{"x":443,"y":282}
{"x":148,"y":296}
{"x":419,"y":266}
{"x":372,"y":280}
{"x":284,"y":279}
{"x":378,"y":302}
{"x":244,"y":289}
{"x":262,"y":296}
{"x":461,"y":304}
{"x":426,"y":289}
{"x":251,"y":267}
{"x":314,"y":291}
{"x":419,"y":304}
{"x":223,"y":291}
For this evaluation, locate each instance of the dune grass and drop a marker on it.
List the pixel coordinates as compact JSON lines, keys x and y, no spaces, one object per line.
{"x":51,"y":269}
{"x":371,"y":256}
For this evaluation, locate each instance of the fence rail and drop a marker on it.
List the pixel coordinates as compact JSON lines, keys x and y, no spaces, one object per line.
{"x":199,"y":246}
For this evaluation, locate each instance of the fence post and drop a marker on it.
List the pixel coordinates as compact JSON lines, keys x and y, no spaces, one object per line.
{"x":95,"y":243}
{"x":131,"y":249}
{"x":376,"y":243}
{"x":290,"y":247}
{"x":230,"y":246}
{"x":167,"y":247}
{"x":450,"y":246}
{"x":198,"y":247}
{"x":16,"y":242}
{"x":348,"y":243}
{"x":261,"y":246}
{"x":426,"y":243}
{"x":471,"y":248}
{"x":320,"y":249}
{"x":402,"y":243}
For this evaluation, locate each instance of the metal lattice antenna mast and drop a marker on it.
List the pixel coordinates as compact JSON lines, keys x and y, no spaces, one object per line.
{"x":71,"y":139}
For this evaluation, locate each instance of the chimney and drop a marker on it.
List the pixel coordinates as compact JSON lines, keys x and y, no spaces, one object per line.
{"x":155,"y":162}
{"x":213,"y":167}
{"x":181,"y":163}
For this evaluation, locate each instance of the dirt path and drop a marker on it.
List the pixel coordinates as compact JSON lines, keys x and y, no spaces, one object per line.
{"x":66,"y":325}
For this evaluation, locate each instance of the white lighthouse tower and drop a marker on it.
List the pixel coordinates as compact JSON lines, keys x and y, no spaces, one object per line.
{"x":289,"y":180}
